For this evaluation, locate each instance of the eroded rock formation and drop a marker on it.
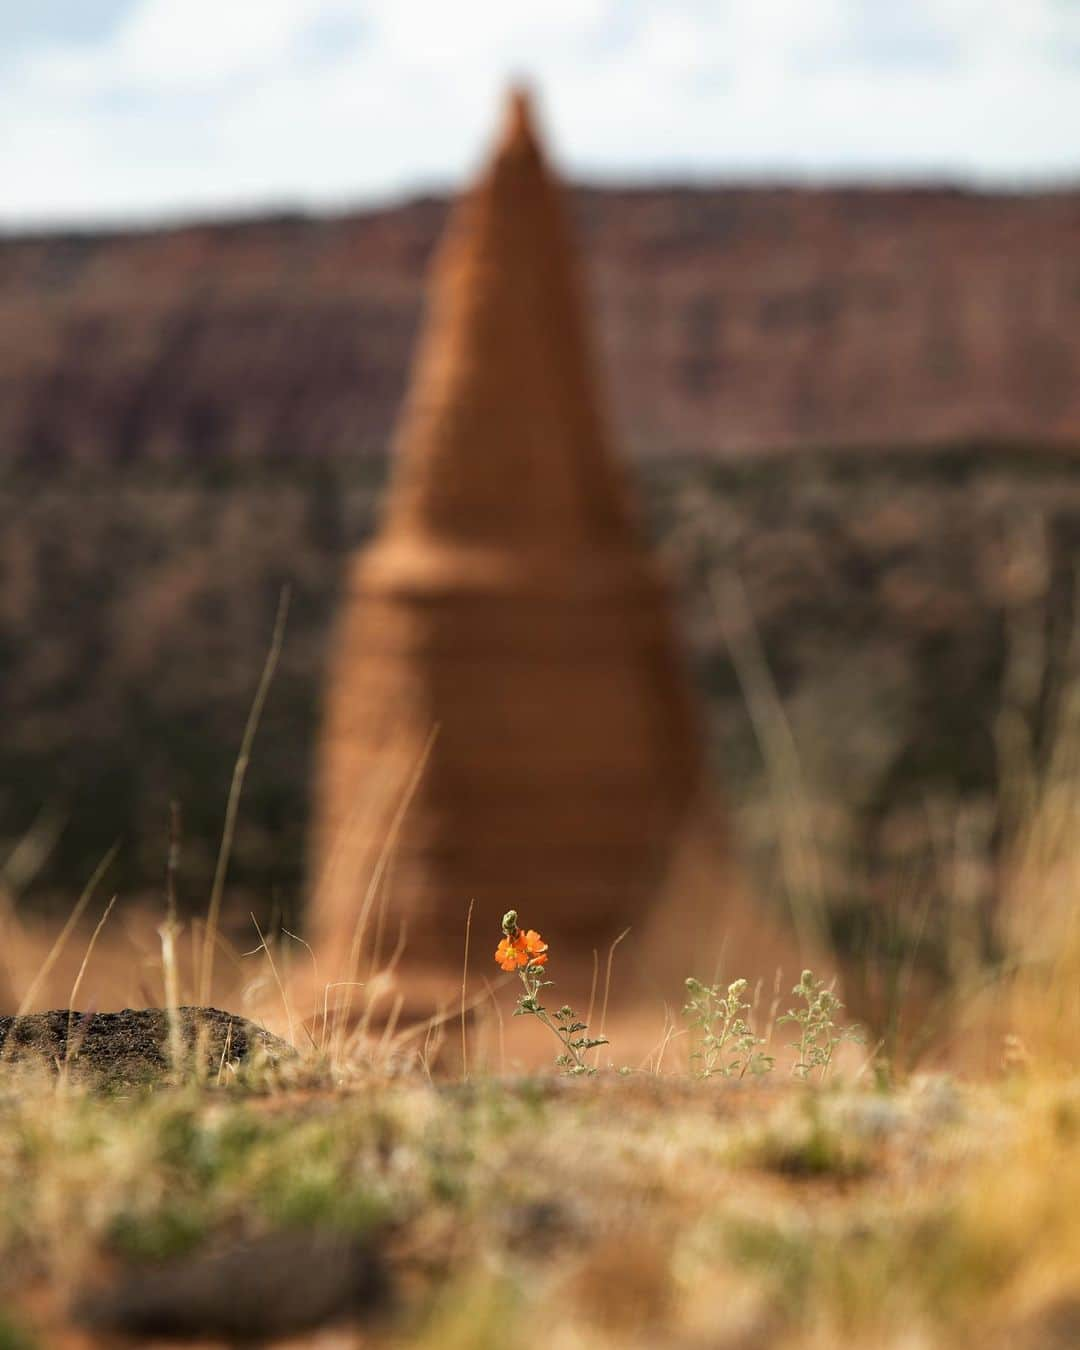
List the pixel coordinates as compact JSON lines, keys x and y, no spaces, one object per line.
{"x":505,"y":642}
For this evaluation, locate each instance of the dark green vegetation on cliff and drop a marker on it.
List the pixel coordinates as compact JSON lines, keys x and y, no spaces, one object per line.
{"x":902,"y":601}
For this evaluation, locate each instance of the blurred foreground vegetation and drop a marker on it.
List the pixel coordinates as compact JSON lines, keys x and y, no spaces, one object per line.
{"x":619,"y":1210}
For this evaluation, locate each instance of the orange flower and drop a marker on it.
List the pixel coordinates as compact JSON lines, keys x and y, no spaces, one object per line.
{"x":522,"y":949}
{"x":510,"y":955}
{"x":534,"y":947}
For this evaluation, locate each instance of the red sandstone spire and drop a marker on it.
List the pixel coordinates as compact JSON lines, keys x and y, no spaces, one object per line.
{"x":508,"y":601}
{"x":502,"y":440}
{"x":518,"y":128}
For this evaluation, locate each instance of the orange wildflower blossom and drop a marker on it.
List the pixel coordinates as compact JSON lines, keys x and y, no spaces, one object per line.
{"x":518,"y":949}
{"x":525,"y":951}
{"x":535,"y":947}
{"x":510,"y":954}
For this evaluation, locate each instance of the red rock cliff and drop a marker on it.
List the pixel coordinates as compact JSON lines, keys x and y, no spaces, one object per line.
{"x":729,"y":319}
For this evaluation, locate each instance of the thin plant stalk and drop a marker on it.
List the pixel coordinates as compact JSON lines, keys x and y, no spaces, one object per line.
{"x":607,"y":987}
{"x":277,"y":981}
{"x":342,"y":1016}
{"x":236,"y":787}
{"x":73,"y":997}
{"x":464,"y":983}
{"x":170,"y":933}
{"x":61,"y":942}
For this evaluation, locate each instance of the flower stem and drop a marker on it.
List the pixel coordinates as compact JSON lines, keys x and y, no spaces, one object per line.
{"x":541,"y":1013}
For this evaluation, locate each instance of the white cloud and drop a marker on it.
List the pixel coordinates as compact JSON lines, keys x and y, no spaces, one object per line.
{"x":195,"y":105}
{"x":168,"y":46}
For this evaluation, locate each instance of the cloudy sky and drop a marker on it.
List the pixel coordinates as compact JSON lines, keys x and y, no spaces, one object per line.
{"x":121,"y":109}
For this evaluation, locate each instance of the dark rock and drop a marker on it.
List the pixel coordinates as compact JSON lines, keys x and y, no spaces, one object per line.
{"x":273,"y":1286}
{"x":132,"y":1045}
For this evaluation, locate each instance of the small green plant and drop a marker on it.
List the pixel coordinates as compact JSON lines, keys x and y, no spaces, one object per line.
{"x":728,"y":1047}
{"x":526,"y":953}
{"x":819,"y":1032}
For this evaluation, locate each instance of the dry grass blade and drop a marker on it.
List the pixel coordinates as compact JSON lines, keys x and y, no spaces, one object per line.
{"x":802,"y":866}
{"x":607,"y":986}
{"x":343,"y":1015}
{"x":169,"y":933}
{"x":213,"y":912}
{"x":464,"y":983}
{"x":73,"y":998}
{"x":277,"y":981}
{"x":500,"y":1023}
{"x":592,"y":986}
{"x":65,"y":932}
{"x":31,"y":852}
